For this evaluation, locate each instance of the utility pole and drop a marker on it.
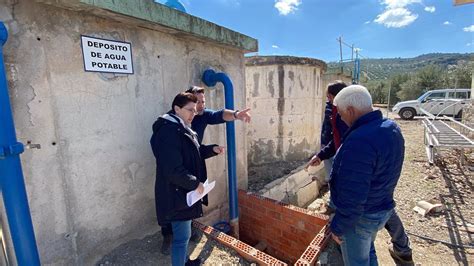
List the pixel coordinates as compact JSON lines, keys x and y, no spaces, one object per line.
{"x":352,"y":55}
{"x":356,"y":74}
{"x":340,"y":52}
{"x":388,"y":102}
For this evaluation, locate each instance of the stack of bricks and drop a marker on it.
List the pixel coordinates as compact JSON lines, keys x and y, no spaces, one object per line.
{"x":288,"y":232}
{"x":248,"y":252}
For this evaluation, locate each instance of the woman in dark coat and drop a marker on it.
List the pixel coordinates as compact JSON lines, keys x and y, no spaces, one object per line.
{"x":179,"y":170}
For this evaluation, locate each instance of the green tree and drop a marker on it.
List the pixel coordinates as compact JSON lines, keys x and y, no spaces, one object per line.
{"x":396,"y":85}
{"x":463,"y":74}
{"x":428,"y":78}
{"x":409,"y":90}
{"x":378,"y":90}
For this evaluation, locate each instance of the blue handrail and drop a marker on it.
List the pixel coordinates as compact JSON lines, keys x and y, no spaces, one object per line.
{"x":11,"y":176}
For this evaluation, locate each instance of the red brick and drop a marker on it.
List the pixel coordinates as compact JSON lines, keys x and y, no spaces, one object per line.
{"x":258,"y":208}
{"x":288,"y":235}
{"x":288,"y":210}
{"x":260,"y":222}
{"x":243,"y":195}
{"x":275,"y":215}
{"x":275,"y":232}
{"x":312,"y":228}
{"x":310,"y":255}
{"x":289,"y":219}
{"x":283,"y":226}
{"x":285,"y":242}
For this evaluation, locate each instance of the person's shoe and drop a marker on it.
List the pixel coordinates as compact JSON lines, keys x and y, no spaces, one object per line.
{"x":326,"y":210}
{"x":166,"y":245}
{"x":195,"y":236}
{"x":401,"y":259}
{"x":195,"y":262}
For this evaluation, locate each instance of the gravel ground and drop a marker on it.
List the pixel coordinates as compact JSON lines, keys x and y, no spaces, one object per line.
{"x":146,"y":251}
{"x":447,"y":183}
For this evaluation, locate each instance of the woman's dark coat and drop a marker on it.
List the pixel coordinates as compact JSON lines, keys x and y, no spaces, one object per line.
{"x":179,"y":169}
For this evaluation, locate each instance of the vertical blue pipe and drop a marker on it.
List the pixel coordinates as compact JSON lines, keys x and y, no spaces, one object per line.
{"x":210,"y":78}
{"x":11,"y":176}
{"x":356,"y":76}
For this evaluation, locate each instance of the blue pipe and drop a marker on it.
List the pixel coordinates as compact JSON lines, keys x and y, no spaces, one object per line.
{"x":210,"y":78}
{"x":11,"y":176}
{"x":356,"y":76}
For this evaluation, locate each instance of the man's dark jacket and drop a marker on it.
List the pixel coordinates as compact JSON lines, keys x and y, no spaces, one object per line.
{"x":366,"y":170}
{"x":328,"y":146}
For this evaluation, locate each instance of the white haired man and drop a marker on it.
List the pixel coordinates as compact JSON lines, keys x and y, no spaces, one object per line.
{"x":365,"y":172}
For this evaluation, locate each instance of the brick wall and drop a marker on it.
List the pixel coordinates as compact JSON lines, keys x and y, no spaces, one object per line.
{"x":287,"y":231}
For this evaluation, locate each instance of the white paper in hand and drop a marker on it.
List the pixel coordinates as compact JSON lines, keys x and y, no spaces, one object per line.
{"x":193,"y":196}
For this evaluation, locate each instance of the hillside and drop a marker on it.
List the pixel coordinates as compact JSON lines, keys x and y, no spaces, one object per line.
{"x":384,"y":68}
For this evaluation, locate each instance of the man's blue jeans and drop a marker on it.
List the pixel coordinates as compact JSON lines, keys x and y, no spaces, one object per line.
{"x":328,"y":168}
{"x":179,"y":246}
{"x":400,"y":241}
{"x":357,"y":245}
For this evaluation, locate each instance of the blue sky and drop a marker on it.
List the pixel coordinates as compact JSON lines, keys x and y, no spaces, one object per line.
{"x":380,"y":28}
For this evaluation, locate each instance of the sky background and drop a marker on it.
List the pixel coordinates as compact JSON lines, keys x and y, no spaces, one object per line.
{"x":379,"y":28}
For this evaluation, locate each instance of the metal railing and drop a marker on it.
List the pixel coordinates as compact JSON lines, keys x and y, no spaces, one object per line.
{"x":443,"y":132}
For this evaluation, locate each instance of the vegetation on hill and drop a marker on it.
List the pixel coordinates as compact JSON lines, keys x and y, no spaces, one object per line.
{"x":385,"y":68}
{"x":408,"y":78}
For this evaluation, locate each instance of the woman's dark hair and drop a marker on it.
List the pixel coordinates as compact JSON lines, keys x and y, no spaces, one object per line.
{"x":182,"y":99}
{"x":336,"y":87}
{"x":195,"y":89}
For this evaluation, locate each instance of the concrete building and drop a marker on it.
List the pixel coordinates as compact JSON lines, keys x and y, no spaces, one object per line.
{"x":286,"y":95}
{"x":90,"y":186}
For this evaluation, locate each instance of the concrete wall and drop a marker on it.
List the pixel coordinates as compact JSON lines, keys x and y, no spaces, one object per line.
{"x":90,"y":186}
{"x":331,"y":77}
{"x":296,"y":188}
{"x":285,"y":94}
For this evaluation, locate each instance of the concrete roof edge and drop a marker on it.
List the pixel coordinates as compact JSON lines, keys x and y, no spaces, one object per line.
{"x":158,"y":16}
{"x":284,"y":60}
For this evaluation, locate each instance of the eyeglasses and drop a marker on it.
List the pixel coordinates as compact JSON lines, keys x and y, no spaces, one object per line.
{"x":193,"y":111}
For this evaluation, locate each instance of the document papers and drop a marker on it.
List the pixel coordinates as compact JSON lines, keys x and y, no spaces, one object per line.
{"x":193,"y":196}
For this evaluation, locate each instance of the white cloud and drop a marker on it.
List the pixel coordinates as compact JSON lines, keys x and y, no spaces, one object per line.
{"x":275,"y":46}
{"x":367,"y":22}
{"x":396,"y":18}
{"x":392,"y":4}
{"x":430,"y":9}
{"x":397,"y":13}
{"x":469,"y":29}
{"x":447,"y":23}
{"x":229,"y":2}
{"x":286,"y":7}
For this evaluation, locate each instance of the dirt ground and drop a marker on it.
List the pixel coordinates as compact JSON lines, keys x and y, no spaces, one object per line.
{"x":448,"y":183}
{"x":146,"y":251}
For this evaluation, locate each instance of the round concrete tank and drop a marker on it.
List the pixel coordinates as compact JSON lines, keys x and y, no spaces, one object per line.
{"x":286,"y":97}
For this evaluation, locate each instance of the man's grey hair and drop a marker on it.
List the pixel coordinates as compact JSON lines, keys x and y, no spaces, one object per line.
{"x":356,"y":96}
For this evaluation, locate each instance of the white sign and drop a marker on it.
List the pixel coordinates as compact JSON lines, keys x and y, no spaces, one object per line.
{"x":102,"y":55}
